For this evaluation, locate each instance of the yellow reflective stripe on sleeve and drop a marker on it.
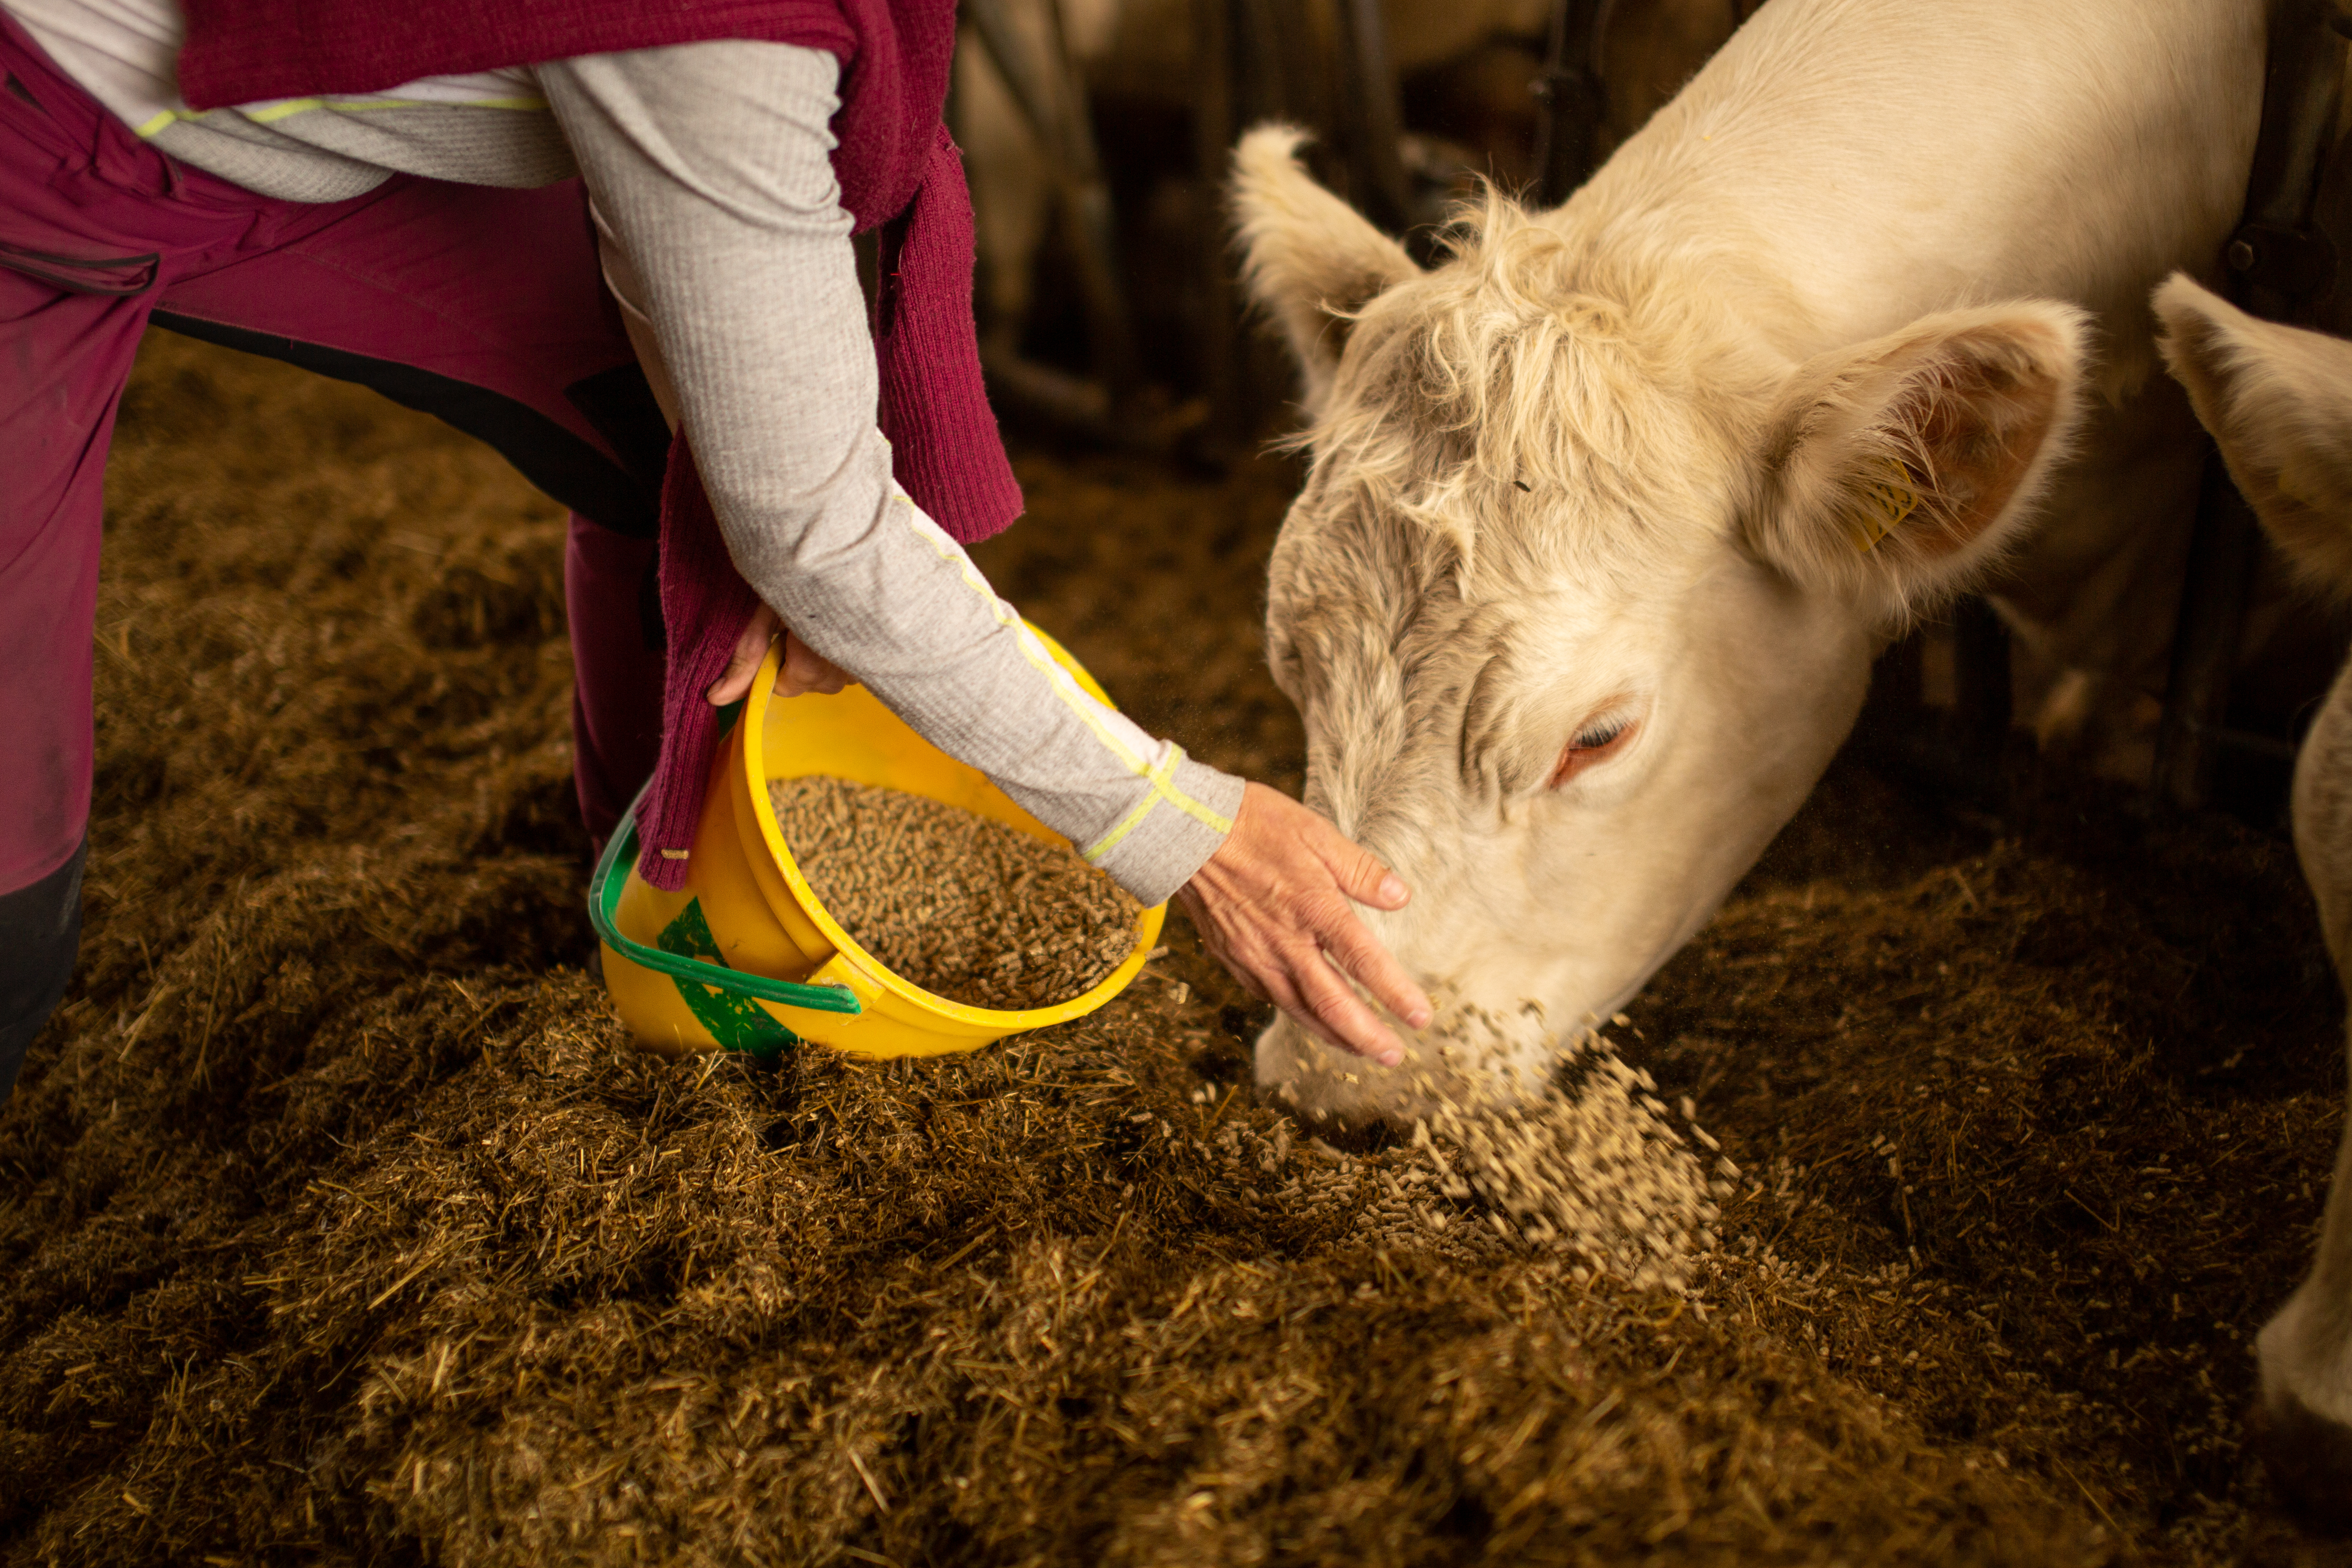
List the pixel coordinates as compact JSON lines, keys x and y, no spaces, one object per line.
{"x":294,"y":106}
{"x":1162,"y":788}
{"x":1073,"y":696}
{"x":1109,"y":841}
{"x":1215,"y":821}
{"x":1160,"y":774}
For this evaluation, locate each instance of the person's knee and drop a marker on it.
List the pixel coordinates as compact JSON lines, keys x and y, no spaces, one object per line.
{"x":40,"y":931}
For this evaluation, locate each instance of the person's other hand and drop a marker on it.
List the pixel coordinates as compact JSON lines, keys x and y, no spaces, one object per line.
{"x":804,"y":668}
{"x":1273,"y":905}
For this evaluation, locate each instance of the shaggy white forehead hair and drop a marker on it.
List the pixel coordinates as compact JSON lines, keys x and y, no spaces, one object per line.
{"x":1526,"y":409}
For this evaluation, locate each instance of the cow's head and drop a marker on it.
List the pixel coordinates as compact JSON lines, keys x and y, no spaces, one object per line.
{"x":1584,"y":584}
{"x":2279,"y":402}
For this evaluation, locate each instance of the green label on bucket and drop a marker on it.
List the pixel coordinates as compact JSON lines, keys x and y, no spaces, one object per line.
{"x":737,"y":1023}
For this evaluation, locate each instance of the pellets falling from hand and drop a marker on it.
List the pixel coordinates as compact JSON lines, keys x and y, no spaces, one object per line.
{"x":1587,"y":1163}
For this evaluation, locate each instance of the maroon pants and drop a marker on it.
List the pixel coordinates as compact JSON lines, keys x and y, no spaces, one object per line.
{"x":482,"y":306}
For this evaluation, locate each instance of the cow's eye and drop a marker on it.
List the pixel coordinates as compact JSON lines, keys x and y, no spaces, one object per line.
{"x":1596,"y":742}
{"x":1595,"y":736}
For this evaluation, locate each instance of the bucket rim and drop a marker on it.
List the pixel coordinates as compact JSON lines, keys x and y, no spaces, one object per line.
{"x":753,"y":730}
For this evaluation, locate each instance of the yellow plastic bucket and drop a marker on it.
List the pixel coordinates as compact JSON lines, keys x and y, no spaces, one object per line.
{"x":744,"y":957}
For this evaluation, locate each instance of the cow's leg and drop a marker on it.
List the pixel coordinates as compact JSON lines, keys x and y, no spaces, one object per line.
{"x":2093,"y":619}
{"x":2303,"y":1422}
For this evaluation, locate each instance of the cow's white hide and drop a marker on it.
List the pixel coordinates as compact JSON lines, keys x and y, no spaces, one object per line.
{"x":1606,"y":466}
{"x":2279,"y":400}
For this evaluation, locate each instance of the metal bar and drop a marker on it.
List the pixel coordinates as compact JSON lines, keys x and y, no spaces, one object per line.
{"x":1266,"y":91}
{"x":1011,"y":57}
{"x":2223,"y":549}
{"x":2281,"y":265}
{"x":1214,"y":125}
{"x":2280,"y":268}
{"x":1981,"y":699}
{"x":1571,"y":100}
{"x":1374,"y":116}
{"x":1051,"y":96}
{"x":1094,"y":228}
{"x":2303,"y":85}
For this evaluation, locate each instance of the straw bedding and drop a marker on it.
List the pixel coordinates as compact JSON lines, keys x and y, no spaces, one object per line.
{"x":339,"y":1224}
{"x":967,"y":908}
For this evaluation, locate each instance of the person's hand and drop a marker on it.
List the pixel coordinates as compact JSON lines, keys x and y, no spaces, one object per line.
{"x":1273,"y":904}
{"x":802,"y":669}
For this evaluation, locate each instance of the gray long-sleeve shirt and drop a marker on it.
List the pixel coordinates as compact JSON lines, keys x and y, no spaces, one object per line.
{"x":708,"y":166}
{"x":810,"y":512}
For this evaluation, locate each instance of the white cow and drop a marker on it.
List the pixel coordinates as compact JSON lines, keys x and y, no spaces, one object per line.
{"x":2279,"y":403}
{"x":1608,"y":515}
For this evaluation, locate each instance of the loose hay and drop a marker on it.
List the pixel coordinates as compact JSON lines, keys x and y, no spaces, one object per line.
{"x":967,"y":908}
{"x":339,"y":1224}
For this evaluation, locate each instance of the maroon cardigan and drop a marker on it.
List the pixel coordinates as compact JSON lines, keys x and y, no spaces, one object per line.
{"x":895,"y":166}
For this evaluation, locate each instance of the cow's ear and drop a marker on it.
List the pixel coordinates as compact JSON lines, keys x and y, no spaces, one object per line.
{"x":2279,"y":400}
{"x":1897,"y":471}
{"x":1311,"y":259}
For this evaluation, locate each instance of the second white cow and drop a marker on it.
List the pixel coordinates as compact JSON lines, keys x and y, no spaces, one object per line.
{"x":1609,"y":514}
{"x":2279,"y":400}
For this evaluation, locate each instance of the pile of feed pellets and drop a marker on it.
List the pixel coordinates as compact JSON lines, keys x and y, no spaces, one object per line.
{"x":967,"y":908}
{"x":1564,"y":1146}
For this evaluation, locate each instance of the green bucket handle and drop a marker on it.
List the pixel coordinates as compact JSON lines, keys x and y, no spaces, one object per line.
{"x":612,"y":868}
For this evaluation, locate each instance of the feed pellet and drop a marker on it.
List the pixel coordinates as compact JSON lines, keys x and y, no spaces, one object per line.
{"x":1588,"y":1163}
{"x":965,"y":907}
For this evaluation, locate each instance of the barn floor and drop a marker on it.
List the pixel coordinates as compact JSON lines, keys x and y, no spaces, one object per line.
{"x":339,"y":1224}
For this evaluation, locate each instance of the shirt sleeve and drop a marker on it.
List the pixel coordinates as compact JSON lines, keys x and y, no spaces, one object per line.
{"x":710,"y":163}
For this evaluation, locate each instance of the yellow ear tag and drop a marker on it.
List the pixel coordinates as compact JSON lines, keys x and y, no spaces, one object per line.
{"x":1884,"y":503}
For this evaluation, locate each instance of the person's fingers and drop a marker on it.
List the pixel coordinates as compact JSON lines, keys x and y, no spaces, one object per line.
{"x":1359,"y":872}
{"x":1295,"y":977}
{"x":798,"y":671}
{"x":1352,"y":946}
{"x":1335,"y":1005}
{"x":1364,"y":880}
{"x":743,"y":661}
{"x":804,"y":670}
{"x":1252,"y":979}
{"x":1333,"y":1016}
{"x":1277,"y":905}
{"x":1279,"y":990}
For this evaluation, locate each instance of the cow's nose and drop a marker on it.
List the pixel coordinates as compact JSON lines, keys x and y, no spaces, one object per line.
{"x":1281,"y":1046}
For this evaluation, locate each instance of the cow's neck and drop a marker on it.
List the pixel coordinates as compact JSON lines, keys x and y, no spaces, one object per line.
{"x":1844,"y":166}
